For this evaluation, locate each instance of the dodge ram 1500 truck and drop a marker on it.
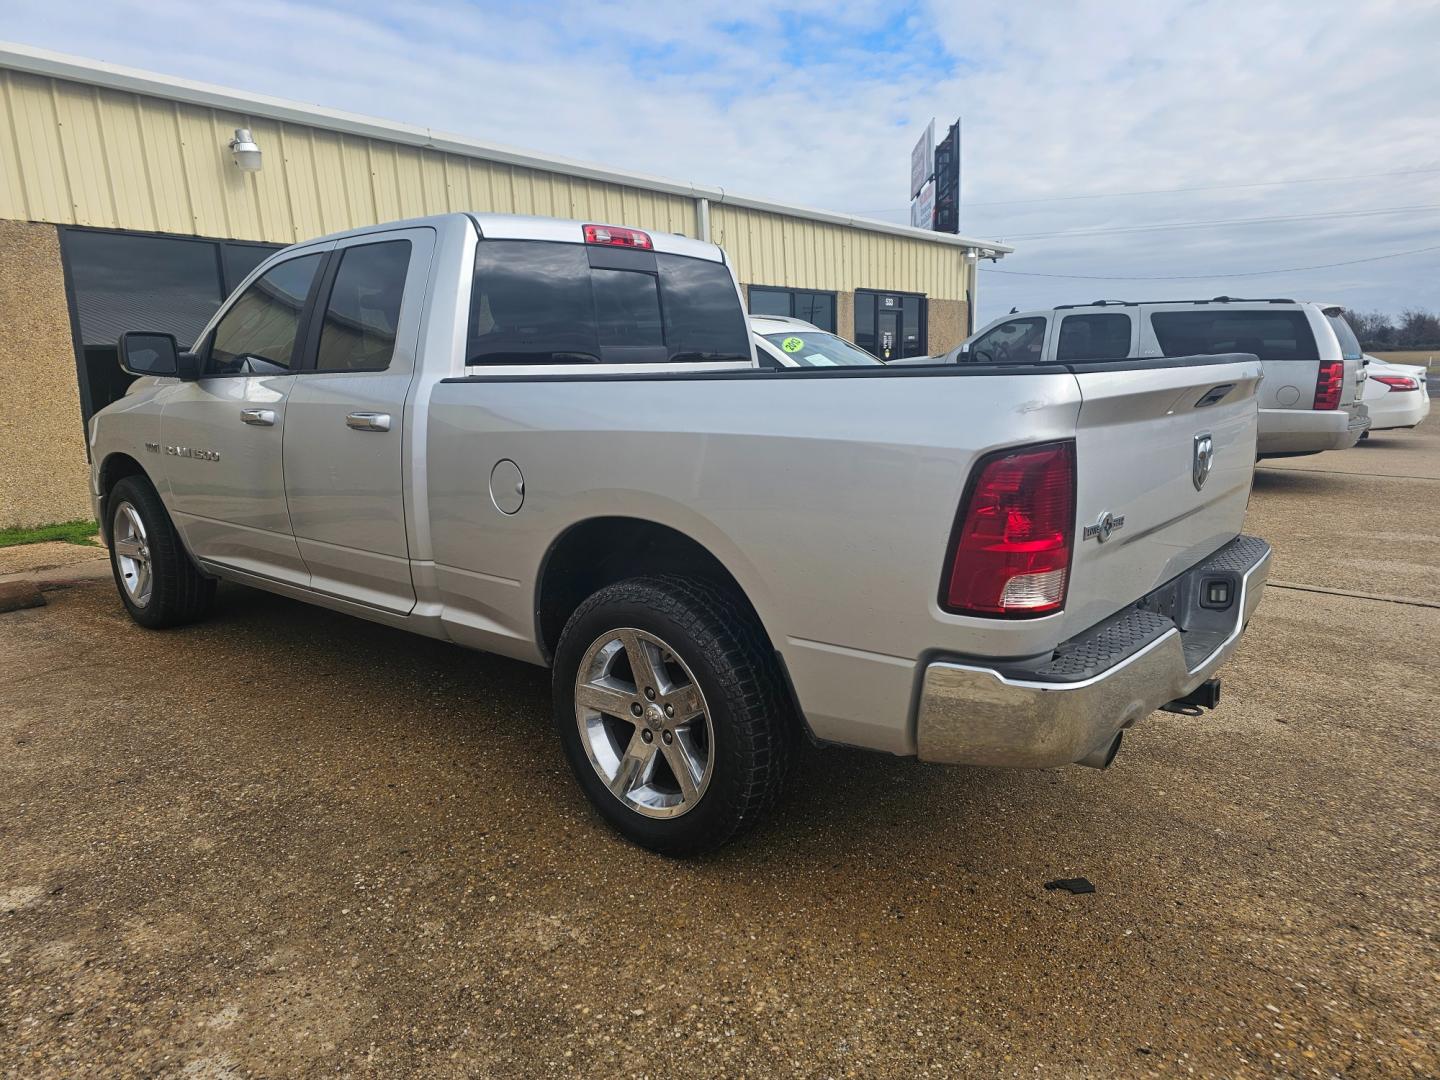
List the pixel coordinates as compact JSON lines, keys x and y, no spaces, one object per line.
{"x":553,"y":440}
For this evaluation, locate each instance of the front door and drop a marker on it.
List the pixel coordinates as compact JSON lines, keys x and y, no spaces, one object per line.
{"x":890,"y":325}
{"x":222,"y":435}
{"x":887,"y":325}
{"x":345,"y":433}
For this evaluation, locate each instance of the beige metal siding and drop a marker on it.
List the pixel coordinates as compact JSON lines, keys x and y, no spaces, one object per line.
{"x":75,"y":154}
{"x":774,"y":249}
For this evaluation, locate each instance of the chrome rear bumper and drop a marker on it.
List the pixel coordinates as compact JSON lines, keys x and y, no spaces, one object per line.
{"x":1066,"y":707}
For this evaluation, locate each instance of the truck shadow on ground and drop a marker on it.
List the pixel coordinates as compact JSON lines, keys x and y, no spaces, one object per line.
{"x":1282,"y":481}
{"x":491,"y":718}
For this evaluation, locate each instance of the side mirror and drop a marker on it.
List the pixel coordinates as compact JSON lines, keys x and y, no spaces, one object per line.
{"x":144,"y":352}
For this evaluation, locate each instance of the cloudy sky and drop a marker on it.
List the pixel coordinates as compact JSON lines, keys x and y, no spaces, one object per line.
{"x":1118,"y":146}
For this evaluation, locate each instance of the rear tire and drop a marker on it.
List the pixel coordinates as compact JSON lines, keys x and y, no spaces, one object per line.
{"x":658,"y":677}
{"x":158,"y":582}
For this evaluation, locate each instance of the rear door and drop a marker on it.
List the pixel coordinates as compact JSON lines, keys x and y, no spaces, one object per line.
{"x":223,"y":434}
{"x":1353,"y":388}
{"x":346,"y":423}
{"x":1165,"y":454}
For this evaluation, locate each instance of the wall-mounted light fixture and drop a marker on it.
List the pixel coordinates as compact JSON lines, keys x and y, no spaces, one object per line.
{"x":244,"y":150}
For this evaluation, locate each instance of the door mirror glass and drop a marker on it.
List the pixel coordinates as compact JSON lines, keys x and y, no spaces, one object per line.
{"x":146,"y":353}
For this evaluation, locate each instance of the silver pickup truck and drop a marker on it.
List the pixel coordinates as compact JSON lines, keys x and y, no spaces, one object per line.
{"x":553,"y":440}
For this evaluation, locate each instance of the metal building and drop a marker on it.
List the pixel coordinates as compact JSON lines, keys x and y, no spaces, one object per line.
{"x":123,"y":206}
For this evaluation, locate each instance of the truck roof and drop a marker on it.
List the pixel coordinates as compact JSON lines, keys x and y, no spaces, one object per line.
{"x":533,"y":227}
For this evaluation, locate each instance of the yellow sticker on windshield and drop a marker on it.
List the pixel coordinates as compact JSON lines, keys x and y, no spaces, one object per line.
{"x":792,"y":344}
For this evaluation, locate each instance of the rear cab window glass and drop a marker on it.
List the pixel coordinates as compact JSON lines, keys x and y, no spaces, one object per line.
{"x":363,"y":312}
{"x":542,"y":302}
{"x":1270,"y":335}
{"x":256,"y":336}
{"x":1104,"y":336}
{"x":1015,"y":341}
{"x":531,"y":304}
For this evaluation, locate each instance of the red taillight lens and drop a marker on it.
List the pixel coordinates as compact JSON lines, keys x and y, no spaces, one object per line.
{"x":615,"y":236}
{"x":1012,"y":548}
{"x":1398,"y":382}
{"x":1327,"y":385}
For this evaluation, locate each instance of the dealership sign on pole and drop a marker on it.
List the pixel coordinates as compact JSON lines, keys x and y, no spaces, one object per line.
{"x":935,"y":181}
{"x":922,"y":207}
{"x":922,"y":160}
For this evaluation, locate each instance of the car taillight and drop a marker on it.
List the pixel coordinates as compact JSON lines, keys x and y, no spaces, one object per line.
{"x":1327,"y":385}
{"x":1011,"y":554}
{"x":1398,"y":382}
{"x":615,"y":236}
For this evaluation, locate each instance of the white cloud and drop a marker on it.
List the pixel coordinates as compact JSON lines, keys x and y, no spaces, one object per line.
{"x":818,"y":103}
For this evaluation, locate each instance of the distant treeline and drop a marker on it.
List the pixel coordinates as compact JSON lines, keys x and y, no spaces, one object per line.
{"x":1411,"y":330}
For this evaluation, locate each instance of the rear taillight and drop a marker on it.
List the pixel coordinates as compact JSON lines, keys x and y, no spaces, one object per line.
{"x":615,"y":236}
{"x":1327,"y":385}
{"x":1011,"y":552}
{"x":1398,"y":382}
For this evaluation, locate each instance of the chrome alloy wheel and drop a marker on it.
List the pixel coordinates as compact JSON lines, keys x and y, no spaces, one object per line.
{"x":644,"y":723}
{"x":132,"y":554}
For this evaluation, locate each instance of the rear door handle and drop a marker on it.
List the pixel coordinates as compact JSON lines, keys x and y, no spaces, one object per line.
{"x":368,"y":421}
{"x":258,"y":417}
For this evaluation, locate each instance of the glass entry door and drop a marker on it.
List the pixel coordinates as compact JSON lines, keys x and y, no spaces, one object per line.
{"x":890,"y":325}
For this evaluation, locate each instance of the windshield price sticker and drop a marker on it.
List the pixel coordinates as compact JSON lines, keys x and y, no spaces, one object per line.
{"x":792,"y":344}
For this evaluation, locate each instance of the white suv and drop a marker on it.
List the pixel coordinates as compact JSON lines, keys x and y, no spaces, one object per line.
{"x":1314,"y":369}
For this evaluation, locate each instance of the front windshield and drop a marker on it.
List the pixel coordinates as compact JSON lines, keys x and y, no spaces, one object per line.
{"x":816,"y":348}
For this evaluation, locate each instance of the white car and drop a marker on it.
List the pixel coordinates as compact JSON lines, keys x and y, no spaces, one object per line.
{"x":781,"y":341}
{"x":1396,"y":394}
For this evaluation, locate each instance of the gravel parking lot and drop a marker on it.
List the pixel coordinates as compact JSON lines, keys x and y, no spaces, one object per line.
{"x":289,"y":842}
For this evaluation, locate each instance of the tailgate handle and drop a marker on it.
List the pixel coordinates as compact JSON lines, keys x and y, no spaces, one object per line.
{"x":1214,"y":395}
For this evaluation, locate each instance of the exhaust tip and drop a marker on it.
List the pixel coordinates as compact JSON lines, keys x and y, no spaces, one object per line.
{"x":1101,"y":757}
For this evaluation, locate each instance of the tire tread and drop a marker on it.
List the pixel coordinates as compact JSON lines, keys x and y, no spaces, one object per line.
{"x":765,"y":732}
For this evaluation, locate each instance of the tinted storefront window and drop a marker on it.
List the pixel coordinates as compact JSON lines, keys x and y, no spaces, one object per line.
{"x":817,"y":308}
{"x":127,"y":281}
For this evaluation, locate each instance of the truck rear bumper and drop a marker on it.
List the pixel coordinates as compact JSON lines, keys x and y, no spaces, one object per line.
{"x":1307,"y":431}
{"x":1068,"y":706}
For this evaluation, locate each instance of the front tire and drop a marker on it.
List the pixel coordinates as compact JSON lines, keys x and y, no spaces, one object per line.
{"x":670,"y":708}
{"x":158,"y":583}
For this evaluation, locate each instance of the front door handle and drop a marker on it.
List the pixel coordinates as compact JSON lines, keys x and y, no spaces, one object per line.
{"x":368,"y":421}
{"x":258,"y":417}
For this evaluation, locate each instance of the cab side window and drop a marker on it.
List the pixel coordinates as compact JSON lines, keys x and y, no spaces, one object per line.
{"x":1016,"y":341}
{"x":257,"y":336}
{"x":363,"y":310}
{"x":1094,"y":337}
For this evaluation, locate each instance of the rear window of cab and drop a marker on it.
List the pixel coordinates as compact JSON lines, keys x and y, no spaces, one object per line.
{"x":543,"y":302}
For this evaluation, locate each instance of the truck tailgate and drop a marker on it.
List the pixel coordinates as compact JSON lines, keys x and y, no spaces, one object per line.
{"x":1148,"y":503}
